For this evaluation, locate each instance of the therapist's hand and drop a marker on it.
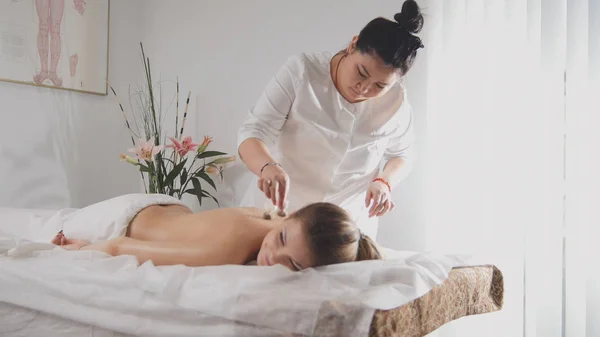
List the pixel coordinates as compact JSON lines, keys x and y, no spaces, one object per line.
{"x":379,"y":198}
{"x":275,"y":184}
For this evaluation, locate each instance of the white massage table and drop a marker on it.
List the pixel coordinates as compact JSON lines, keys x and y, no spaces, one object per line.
{"x":468,"y":291}
{"x":58,"y":293}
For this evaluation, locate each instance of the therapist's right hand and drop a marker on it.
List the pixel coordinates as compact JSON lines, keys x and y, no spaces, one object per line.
{"x":275,"y":184}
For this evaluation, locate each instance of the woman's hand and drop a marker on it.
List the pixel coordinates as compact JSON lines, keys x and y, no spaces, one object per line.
{"x":379,"y":198}
{"x":67,"y":243}
{"x":275,"y":184}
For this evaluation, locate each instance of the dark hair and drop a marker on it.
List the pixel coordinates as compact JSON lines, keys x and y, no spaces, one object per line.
{"x":332,"y":235}
{"x":394,"y":42}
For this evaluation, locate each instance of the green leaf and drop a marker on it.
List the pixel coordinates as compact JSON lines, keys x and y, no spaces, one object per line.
{"x":160,"y":159}
{"x":144,"y":168}
{"x":183,"y":177}
{"x":205,"y":176}
{"x":198,"y":189}
{"x":209,"y":154}
{"x":206,"y":194}
{"x":174,"y":172}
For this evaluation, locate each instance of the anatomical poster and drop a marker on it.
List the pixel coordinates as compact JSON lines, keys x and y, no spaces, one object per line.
{"x":59,"y":44}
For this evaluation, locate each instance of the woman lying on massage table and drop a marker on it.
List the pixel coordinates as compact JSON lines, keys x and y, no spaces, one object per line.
{"x":316,"y":235}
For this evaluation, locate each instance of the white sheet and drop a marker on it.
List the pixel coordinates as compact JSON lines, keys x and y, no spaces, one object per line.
{"x":117,"y":294}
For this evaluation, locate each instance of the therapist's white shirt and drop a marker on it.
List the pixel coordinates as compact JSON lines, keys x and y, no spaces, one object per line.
{"x":330,"y":148}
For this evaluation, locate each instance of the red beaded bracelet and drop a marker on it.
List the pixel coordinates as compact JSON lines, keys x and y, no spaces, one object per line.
{"x":385,"y":182}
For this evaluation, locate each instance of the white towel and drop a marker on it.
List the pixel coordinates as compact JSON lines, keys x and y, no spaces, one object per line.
{"x":104,"y":220}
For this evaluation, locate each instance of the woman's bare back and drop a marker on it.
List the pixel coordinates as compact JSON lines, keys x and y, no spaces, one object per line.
{"x":220,"y":236}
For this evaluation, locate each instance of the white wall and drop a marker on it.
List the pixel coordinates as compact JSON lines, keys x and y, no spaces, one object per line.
{"x":63,"y":147}
{"x":226,"y":51}
{"x":60,"y":148}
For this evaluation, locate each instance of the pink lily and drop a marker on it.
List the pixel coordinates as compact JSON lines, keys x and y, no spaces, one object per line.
{"x":211,"y":169}
{"x":224,"y":160}
{"x":205,"y":143}
{"x":146,"y":150}
{"x":215,"y":170}
{"x":184,"y":146}
{"x":129,"y":160}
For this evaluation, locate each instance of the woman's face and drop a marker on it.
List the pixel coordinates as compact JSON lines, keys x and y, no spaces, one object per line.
{"x":286,"y":245}
{"x":363,"y":76}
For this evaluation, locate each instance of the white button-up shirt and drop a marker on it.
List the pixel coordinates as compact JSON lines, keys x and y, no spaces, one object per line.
{"x":330,"y":148}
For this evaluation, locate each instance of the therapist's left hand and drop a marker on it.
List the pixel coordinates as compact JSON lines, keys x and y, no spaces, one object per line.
{"x":379,"y":198}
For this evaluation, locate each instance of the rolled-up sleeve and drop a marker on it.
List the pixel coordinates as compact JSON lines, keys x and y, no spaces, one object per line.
{"x":401,"y":144}
{"x":267,"y":117}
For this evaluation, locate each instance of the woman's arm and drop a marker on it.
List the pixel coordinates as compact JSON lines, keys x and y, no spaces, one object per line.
{"x":399,"y":159}
{"x":169,"y":253}
{"x":399,"y":155}
{"x":274,"y":181}
{"x":255,"y":154}
{"x":395,"y":170}
{"x":264,"y":125}
{"x":266,"y":119}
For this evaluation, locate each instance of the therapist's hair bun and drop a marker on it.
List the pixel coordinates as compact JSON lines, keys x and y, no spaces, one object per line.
{"x":332,"y":235}
{"x":393,"y":41}
{"x":410,"y":18}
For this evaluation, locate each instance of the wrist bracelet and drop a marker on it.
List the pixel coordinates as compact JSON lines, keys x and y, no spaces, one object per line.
{"x":385,"y":182}
{"x":267,"y":164}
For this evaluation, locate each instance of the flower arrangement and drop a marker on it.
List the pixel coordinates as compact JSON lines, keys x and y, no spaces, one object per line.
{"x":169,"y":169}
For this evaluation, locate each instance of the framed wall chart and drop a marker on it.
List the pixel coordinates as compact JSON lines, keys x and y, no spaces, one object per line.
{"x":60,"y":44}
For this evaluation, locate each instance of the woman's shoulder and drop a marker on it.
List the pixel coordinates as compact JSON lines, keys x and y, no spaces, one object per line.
{"x":316,"y":59}
{"x":393,"y":100}
{"x":395,"y":104}
{"x":309,"y":63}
